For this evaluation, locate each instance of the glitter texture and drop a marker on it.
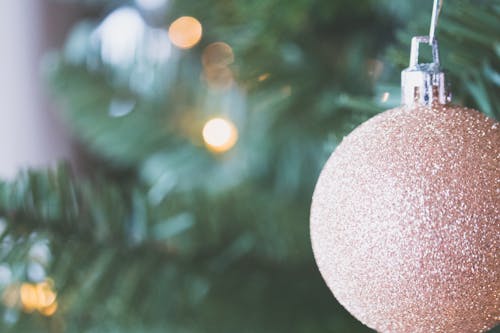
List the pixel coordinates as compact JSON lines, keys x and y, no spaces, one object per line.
{"x":405,"y":221}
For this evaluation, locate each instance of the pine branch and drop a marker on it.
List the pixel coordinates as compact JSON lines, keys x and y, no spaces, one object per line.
{"x":100,"y":266}
{"x":194,"y":224}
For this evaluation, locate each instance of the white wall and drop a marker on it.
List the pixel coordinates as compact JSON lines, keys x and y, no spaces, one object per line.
{"x":30,"y":135}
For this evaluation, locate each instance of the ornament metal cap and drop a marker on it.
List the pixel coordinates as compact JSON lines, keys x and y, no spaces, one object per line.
{"x":424,"y":84}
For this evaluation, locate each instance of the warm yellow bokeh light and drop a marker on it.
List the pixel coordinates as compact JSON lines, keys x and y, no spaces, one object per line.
{"x":216,"y":59}
{"x":49,"y":310}
{"x":220,"y":135}
{"x":217,"y":54}
{"x":263,"y":77}
{"x":40,"y":297}
{"x":185,"y":32}
{"x":46,"y":296}
{"x":29,"y":297}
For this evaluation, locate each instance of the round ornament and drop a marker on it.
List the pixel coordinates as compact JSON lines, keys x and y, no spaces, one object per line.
{"x":405,"y":217}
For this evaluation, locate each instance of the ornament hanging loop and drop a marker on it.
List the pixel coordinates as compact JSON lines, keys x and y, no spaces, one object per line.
{"x":436,"y":9}
{"x":424,"y":84}
{"x":415,"y":46}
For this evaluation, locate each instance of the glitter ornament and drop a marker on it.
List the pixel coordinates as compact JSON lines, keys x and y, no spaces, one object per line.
{"x":405,"y":217}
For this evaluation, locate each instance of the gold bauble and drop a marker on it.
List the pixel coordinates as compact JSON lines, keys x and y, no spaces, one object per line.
{"x":405,"y":221}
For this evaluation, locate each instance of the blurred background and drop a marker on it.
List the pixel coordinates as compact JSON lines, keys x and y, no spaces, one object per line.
{"x":158,"y":157}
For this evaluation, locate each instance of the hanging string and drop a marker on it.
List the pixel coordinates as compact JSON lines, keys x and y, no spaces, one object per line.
{"x":438,"y":4}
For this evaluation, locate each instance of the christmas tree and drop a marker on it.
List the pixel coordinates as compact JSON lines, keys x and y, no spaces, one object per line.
{"x":203,"y":128}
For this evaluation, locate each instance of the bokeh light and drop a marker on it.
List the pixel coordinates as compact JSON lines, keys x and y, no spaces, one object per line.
{"x":40,"y":297}
{"x":185,"y":32}
{"x":29,"y":297}
{"x":220,"y":135}
{"x":263,"y":77}
{"x":151,"y":4}
{"x":157,"y":45}
{"x":385,"y":97}
{"x":49,"y":310}
{"x":120,"y":35}
{"x":46,"y":296}
{"x":216,"y":59}
{"x":217,"y":54}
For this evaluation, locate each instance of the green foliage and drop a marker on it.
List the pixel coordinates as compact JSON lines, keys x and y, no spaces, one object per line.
{"x":163,"y":235}
{"x":110,"y":261}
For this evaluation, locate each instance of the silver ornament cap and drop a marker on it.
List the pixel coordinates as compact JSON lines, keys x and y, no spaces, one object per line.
{"x":424,"y":84}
